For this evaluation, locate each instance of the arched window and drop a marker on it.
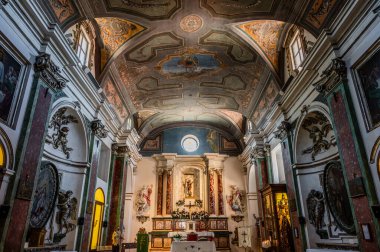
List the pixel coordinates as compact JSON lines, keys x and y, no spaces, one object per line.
{"x":2,"y":156}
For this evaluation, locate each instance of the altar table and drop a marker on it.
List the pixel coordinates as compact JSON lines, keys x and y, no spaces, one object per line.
{"x":200,"y":234}
{"x":193,"y":246}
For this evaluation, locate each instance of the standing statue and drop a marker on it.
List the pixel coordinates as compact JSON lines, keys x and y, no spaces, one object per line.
{"x":143,"y":199}
{"x":316,"y":208}
{"x":67,"y":207}
{"x":187,"y":185}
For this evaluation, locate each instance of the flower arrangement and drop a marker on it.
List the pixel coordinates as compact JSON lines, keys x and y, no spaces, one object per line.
{"x":180,"y":203}
{"x":198,"y":203}
{"x":199,"y":215}
{"x":177,"y":237}
{"x":180,"y":214}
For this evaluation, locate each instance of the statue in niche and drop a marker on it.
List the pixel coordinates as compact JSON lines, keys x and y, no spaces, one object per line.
{"x":316,"y":209}
{"x":143,"y":199}
{"x":236,"y":200}
{"x":188,"y":187}
{"x":67,"y":208}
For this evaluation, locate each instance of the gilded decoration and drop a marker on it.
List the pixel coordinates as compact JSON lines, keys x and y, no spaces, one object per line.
{"x":191,"y":23}
{"x":114,"y":99}
{"x":265,"y":33}
{"x":63,"y":9}
{"x":115,"y":32}
{"x":319,"y":12}
{"x":265,"y":103}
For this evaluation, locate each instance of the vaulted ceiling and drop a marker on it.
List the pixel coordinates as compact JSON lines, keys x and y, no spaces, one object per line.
{"x":194,"y":61}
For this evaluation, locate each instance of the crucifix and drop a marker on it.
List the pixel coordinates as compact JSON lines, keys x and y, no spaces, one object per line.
{"x":244,"y":234}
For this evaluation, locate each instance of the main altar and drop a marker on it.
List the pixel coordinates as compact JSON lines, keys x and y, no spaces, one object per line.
{"x":189,"y":199}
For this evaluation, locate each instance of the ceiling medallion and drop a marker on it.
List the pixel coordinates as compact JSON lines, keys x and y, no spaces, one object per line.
{"x":191,"y":23}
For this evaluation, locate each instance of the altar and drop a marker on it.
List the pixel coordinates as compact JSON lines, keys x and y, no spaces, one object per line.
{"x":193,"y":246}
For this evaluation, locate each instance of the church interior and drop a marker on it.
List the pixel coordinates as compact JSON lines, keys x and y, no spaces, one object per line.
{"x":190,"y":125}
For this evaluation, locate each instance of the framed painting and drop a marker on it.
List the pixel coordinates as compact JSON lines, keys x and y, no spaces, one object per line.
{"x":12,"y":70}
{"x":367,"y":79}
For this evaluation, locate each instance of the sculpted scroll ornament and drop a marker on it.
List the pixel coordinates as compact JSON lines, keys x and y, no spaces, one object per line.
{"x":49,"y":71}
{"x":98,"y":129}
{"x":59,"y":137}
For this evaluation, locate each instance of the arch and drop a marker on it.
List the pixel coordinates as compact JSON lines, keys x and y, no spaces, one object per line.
{"x":376,"y":151}
{"x":77,"y":132}
{"x":6,"y":152}
{"x":97,"y":219}
{"x":313,"y":108}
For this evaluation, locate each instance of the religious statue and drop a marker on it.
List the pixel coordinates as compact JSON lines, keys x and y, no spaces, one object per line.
{"x":316,"y":208}
{"x":143,"y":199}
{"x":67,"y":207}
{"x":235,"y":200}
{"x":188,"y":187}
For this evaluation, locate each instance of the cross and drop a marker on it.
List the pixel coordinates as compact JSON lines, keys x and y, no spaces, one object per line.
{"x":244,"y":234}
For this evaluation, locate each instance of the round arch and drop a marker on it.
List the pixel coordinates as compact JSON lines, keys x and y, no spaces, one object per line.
{"x":97,"y":219}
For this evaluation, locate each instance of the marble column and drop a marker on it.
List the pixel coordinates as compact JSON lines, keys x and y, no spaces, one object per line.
{"x":357,"y":174}
{"x":118,"y":182}
{"x":84,"y":231}
{"x":284,"y":134}
{"x":211,"y":196}
{"x":47,"y":82}
{"x":219,"y":173}
{"x":259,"y":156}
{"x":169,"y":191}
{"x":160,"y":191}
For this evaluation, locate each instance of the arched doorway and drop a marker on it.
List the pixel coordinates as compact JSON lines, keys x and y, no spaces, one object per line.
{"x":97,"y":219}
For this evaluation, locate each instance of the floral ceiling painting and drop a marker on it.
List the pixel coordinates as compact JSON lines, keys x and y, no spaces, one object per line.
{"x":115,"y":32}
{"x":265,"y":34}
{"x":115,"y":100}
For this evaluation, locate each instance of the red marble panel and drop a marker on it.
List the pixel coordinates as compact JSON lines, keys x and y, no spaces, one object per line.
{"x":212,"y":193}
{"x":160,"y":194}
{"x":169,"y":193}
{"x":29,"y":173}
{"x":220,"y":194}
{"x":351,"y":164}
{"x":264,"y":172}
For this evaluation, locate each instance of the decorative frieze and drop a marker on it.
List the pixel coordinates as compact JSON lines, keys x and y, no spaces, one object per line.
{"x":98,"y":128}
{"x":49,"y":72}
{"x":335,"y":73}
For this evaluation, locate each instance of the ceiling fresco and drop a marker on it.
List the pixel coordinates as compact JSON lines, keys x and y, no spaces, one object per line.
{"x":265,"y":34}
{"x":214,"y":62}
{"x":115,"y":32}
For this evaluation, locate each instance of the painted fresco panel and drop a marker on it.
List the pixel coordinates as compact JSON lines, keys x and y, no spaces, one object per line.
{"x":368,"y":86}
{"x":10,"y":72}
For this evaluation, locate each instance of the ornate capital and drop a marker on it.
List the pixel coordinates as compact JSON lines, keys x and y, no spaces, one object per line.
{"x":49,"y":72}
{"x":258,"y":152}
{"x":335,"y":73}
{"x":120,"y":150}
{"x":282,"y":130}
{"x":267,"y":150}
{"x":97,"y":128}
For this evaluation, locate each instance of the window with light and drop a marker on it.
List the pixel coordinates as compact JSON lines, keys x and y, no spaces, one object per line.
{"x":190,"y":143}
{"x":83,"y":47}
{"x":297,"y":52}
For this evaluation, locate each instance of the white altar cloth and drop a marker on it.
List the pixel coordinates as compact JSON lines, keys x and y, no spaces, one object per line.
{"x":193,"y":246}
{"x":200,"y":234}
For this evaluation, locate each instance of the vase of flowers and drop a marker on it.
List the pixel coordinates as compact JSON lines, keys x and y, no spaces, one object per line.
{"x":177,"y":237}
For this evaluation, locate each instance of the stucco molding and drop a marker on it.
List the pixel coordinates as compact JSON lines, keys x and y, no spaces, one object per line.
{"x":334,"y":74}
{"x":49,"y":72}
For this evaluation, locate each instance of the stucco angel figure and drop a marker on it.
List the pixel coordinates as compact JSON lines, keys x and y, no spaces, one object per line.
{"x":67,"y":208}
{"x":143,"y":199}
{"x":235,"y":200}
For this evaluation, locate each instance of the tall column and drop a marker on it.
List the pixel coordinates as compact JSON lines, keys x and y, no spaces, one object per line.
{"x":269,"y":164}
{"x":219,"y":173}
{"x":169,"y":190}
{"x":259,"y":156}
{"x":117,"y":196}
{"x":84,"y":231}
{"x":357,"y":174}
{"x":284,"y":134}
{"x":211,"y":192}
{"x":160,"y":190}
{"x":46,"y":84}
